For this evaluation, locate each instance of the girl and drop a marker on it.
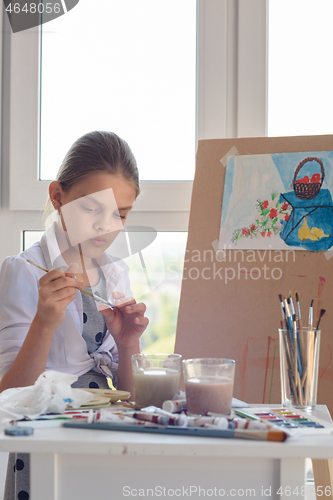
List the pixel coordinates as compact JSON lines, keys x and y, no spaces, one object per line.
{"x":46,"y":321}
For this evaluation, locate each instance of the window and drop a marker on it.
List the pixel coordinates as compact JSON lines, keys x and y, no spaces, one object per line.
{"x":134,"y":75}
{"x":231,"y":102}
{"x":155,"y":95}
{"x":300,"y":76}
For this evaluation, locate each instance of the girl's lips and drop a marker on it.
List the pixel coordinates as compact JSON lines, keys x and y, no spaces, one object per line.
{"x":98,"y":242}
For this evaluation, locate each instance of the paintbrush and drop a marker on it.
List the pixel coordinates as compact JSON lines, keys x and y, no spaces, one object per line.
{"x":96,"y":297}
{"x":287,"y":346}
{"x":82,"y":260}
{"x":288,"y":315}
{"x":298,"y":312}
{"x":269,"y":435}
{"x":297,"y":365}
{"x":322,"y":312}
{"x":311,"y":315}
{"x":289,"y":327}
{"x":301,"y":344}
{"x":291,"y":304}
{"x":295,"y":334}
{"x":283,"y":311}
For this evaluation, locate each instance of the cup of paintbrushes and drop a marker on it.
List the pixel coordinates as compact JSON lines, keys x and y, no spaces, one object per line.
{"x":299,"y":367}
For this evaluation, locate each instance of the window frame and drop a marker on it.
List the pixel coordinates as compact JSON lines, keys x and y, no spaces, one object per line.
{"x":231,"y":102}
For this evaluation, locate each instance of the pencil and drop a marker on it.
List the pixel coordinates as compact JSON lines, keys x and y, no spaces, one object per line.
{"x":96,"y":297}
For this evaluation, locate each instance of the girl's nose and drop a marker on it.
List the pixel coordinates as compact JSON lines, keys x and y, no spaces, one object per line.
{"x":107,"y":223}
{"x":103,"y":224}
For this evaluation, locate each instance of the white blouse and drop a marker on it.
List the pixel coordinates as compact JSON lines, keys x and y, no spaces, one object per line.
{"x":18,"y":306}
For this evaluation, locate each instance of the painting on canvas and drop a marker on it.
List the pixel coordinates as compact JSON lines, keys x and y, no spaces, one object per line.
{"x":278,"y":201}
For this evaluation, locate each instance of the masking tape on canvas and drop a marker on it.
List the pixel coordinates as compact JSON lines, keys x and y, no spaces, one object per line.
{"x":220,"y":253}
{"x":232,"y":152}
{"x":329,"y":254}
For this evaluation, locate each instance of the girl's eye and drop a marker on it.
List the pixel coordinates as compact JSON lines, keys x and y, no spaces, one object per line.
{"x":87,"y":209}
{"x":119,"y":216}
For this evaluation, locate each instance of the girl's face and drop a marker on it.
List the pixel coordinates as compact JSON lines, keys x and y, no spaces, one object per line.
{"x":94,"y":210}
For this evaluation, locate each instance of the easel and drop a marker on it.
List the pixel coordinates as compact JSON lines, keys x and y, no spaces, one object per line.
{"x":239,"y":318}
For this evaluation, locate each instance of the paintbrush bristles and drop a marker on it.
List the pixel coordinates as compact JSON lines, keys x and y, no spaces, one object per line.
{"x":322,"y":312}
{"x":283,"y":310}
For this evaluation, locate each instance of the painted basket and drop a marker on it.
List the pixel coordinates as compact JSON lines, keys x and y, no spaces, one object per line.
{"x":307,"y":191}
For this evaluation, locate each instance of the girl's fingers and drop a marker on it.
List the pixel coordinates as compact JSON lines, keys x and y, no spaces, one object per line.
{"x":106,"y":311}
{"x":57,"y":281}
{"x":121,"y":302}
{"x":58,"y":295}
{"x":50,"y":276}
{"x":136,"y":308}
{"x":141,"y":321}
{"x":64,"y":293}
{"x":72,"y":268}
{"x":64,"y":283}
{"x":54,"y":276}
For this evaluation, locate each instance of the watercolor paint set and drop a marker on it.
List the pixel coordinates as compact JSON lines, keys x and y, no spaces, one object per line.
{"x":290,"y":419}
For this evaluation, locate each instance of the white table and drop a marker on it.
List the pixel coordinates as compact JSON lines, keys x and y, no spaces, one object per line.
{"x":68,"y":464}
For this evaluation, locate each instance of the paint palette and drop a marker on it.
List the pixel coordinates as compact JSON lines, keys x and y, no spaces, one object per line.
{"x":291,"y":419}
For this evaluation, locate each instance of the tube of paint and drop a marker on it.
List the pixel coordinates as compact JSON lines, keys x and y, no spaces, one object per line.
{"x":102,"y":416}
{"x":179,"y":420}
{"x":174,"y":405}
{"x":220,"y":422}
{"x":242,"y":423}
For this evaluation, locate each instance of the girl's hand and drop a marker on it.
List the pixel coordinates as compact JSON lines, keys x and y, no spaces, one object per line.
{"x":56,"y":290}
{"x":126,"y":322}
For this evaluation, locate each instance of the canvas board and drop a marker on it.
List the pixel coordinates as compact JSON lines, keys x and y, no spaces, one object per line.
{"x":229,"y":303}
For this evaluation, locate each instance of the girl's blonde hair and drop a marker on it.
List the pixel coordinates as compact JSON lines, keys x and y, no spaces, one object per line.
{"x":96,"y":152}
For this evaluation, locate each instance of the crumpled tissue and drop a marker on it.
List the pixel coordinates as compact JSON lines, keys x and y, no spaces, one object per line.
{"x":51,"y":393}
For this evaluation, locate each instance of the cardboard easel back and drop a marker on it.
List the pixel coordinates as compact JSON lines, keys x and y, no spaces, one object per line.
{"x":229,"y":304}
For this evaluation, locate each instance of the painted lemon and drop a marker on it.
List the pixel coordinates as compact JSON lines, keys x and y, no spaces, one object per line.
{"x":304,"y":231}
{"x":314,"y":233}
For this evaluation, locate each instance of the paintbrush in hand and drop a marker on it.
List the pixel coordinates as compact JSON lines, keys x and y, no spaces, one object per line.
{"x":96,"y":297}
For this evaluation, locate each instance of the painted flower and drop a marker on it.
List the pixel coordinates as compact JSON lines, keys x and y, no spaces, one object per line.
{"x":269,"y":219}
{"x":273,"y":213}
